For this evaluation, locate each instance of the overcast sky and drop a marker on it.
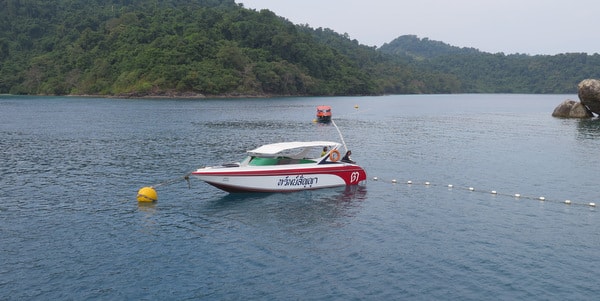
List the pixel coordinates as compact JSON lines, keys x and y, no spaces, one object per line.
{"x":509,"y":26}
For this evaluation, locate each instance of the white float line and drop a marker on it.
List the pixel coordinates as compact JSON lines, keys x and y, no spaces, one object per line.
{"x":493,"y":192}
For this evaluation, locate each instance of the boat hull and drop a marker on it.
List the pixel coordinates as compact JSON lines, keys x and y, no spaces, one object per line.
{"x":324,"y":119}
{"x":289,"y":179}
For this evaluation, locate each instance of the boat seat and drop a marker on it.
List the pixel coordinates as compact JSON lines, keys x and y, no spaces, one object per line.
{"x":285,"y":161}
{"x":257,"y":161}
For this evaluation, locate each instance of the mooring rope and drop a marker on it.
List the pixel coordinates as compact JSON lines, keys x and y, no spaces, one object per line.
{"x":185,"y":177}
{"x":340,"y":133}
{"x":492,"y":192}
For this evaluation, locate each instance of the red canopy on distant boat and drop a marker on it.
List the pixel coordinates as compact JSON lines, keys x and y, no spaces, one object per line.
{"x":323,"y":111}
{"x":324,"y":114}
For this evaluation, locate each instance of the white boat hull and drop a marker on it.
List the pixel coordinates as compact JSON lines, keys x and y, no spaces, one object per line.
{"x":281,"y":179}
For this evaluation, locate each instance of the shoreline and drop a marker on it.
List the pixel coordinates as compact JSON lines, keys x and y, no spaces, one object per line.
{"x":173,"y":95}
{"x":159,"y":96}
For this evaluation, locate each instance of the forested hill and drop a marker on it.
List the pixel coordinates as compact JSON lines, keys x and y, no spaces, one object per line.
{"x":481,"y":72}
{"x":187,"y":47}
{"x":413,"y":47}
{"x":219,"y":47}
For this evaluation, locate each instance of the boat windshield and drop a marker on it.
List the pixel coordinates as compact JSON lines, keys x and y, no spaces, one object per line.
{"x":261,"y":161}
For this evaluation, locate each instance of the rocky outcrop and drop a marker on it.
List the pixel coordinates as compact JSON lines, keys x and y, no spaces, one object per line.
{"x":589,"y":94}
{"x":572,"y":109}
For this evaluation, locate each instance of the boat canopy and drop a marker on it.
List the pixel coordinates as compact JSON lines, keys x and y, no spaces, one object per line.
{"x":276,"y":148}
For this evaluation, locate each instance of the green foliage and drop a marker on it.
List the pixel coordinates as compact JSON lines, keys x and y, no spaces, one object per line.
{"x":480,"y":72}
{"x":156,"y":47}
{"x":218,"y":47}
{"x":211,"y":47}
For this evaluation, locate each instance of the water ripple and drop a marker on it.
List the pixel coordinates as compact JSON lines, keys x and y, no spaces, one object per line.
{"x":70,"y":227}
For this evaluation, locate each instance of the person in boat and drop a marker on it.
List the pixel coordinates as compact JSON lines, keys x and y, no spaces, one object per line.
{"x":324,"y":152}
{"x":347,"y":159}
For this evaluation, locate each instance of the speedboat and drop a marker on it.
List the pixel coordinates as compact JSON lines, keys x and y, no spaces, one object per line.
{"x":285,"y":167}
{"x":324,"y":114}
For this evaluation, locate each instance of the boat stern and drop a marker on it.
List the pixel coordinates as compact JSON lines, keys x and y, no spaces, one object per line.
{"x":355,"y":175}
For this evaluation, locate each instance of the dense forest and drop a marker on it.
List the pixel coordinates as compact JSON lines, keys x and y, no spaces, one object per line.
{"x":219,"y":47}
{"x":482,"y":72}
{"x":178,"y":47}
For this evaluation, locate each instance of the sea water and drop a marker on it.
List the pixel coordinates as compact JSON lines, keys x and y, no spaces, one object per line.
{"x":71,"y":228}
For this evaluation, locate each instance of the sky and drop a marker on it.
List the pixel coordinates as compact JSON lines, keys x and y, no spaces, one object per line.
{"x":508,"y":26}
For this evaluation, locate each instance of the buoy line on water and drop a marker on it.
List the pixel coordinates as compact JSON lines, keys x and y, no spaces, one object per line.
{"x":148,"y":193}
{"x":492,"y":192}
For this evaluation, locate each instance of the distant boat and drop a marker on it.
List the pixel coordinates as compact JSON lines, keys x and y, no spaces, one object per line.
{"x":324,"y":114}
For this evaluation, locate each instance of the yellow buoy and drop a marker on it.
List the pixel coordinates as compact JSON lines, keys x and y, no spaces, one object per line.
{"x":356,"y":106}
{"x":147,"y":194}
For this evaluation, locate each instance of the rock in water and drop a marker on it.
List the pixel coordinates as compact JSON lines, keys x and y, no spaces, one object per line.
{"x":589,"y":94}
{"x":572,"y":109}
